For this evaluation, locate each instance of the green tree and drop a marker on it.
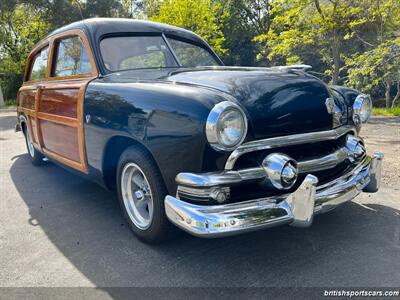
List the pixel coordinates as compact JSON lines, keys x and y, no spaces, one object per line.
{"x":322,"y":27}
{"x":21,"y":26}
{"x":376,"y":66}
{"x":245,"y":20}
{"x":204,"y":17}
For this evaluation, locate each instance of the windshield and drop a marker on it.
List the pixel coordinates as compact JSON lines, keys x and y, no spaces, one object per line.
{"x":142,"y":52}
{"x":190,"y":55}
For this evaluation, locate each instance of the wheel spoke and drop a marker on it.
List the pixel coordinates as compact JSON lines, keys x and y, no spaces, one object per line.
{"x":150,"y":207}
{"x":138,"y":179}
{"x":141,"y":206}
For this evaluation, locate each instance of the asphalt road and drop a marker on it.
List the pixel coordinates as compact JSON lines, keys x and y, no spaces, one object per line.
{"x":57,"y":229}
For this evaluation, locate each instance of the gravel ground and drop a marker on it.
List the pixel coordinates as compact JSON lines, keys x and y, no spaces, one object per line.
{"x":57,"y":229}
{"x":383,"y":133}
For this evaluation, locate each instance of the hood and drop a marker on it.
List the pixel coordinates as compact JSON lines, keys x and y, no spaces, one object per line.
{"x":277,"y":101}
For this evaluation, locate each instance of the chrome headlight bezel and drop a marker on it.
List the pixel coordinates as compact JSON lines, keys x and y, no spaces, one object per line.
{"x":362,"y":109}
{"x":212,"y":125}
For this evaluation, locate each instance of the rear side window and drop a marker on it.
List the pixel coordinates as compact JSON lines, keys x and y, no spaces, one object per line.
{"x":71,"y":58}
{"x":39,"y":65}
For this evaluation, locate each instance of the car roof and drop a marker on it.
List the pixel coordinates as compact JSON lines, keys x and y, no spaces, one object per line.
{"x":98,"y":27}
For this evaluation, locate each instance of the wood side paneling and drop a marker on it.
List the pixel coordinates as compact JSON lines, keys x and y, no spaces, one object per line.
{"x":61,"y":102}
{"x":27,"y":98}
{"x":60,"y":139}
{"x":66,"y":93}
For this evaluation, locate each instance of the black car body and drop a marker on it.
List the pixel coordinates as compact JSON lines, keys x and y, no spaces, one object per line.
{"x":287,"y":146}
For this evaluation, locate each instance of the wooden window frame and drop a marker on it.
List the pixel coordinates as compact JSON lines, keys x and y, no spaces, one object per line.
{"x":53,"y":55}
{"x":31,"y":60}
{"x":51,"y":43}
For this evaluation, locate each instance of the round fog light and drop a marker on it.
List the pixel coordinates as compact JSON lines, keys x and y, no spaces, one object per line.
{"x":281,"y":171}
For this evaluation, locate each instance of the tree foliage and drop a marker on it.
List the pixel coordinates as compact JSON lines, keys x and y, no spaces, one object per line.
{"x":355,"y":42}
{"x":203,"y":17}
{"x":21,"y":27}
{"x":346,"y":39}
{"x":376,"y":67}
{"x":324,"y":27}
{"x":245,"y":20}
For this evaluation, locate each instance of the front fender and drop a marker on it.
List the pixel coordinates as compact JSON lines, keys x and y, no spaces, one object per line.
{"x":167,"y":119}
{"x":349,"y":94}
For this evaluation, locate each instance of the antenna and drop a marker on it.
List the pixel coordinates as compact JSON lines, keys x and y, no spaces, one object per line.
{"x":80,"y":8}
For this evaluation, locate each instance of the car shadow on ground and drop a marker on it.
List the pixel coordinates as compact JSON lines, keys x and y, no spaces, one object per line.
{"x":342,"y":248}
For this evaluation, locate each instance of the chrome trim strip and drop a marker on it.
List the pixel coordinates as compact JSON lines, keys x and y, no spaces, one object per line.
{"x":296,"y":209}
{"x":254,"y":174}
{"x":325,"y":162}
{"x":289,"y":140}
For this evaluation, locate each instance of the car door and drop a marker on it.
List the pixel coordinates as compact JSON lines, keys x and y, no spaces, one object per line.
{"x":60,"y":110}
{"x":29,"y":94}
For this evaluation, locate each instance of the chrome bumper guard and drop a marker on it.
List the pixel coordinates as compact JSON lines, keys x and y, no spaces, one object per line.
{"x":296,"y":209}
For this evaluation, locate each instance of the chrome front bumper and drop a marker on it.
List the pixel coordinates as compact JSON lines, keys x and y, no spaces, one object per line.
{"x":296,"y":209}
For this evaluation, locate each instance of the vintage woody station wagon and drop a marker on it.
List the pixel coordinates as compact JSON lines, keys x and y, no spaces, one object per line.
{"x":150,"y":110}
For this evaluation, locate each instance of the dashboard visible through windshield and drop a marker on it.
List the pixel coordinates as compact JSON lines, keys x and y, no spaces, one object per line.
{"x":141,"y":52}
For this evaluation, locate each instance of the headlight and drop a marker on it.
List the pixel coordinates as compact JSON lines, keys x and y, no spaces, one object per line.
{"x":362,"y":108}
{"x":226,"y":126}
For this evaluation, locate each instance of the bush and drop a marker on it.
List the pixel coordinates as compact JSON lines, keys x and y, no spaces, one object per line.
{"x":379,"y":111}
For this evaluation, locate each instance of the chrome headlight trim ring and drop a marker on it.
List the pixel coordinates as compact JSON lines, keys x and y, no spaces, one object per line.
{"x":360,"y":116}
{"x":213,"y":121}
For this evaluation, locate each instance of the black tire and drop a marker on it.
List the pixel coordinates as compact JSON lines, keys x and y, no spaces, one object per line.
{"x":160,"y":229}
{"x":35,"y":156}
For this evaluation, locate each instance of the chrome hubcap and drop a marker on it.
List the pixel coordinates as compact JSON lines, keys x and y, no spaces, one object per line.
{"x":137,"y":196}
{"x":31,"y":149}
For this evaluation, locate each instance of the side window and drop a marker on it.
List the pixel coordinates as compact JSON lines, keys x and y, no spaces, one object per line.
{"x":39,"y":65}
{"x":71,"y":58}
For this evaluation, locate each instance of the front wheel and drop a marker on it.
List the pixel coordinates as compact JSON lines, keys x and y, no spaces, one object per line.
{"x":35,"y":156}
{"x":141,"y":193}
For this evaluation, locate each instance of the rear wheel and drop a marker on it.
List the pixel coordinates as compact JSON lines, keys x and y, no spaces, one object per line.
{"x":35,"y":156}
{"x":141,"y":193}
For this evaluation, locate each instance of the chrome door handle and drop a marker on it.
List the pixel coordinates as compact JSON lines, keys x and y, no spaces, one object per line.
{"x":39,"y":85}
